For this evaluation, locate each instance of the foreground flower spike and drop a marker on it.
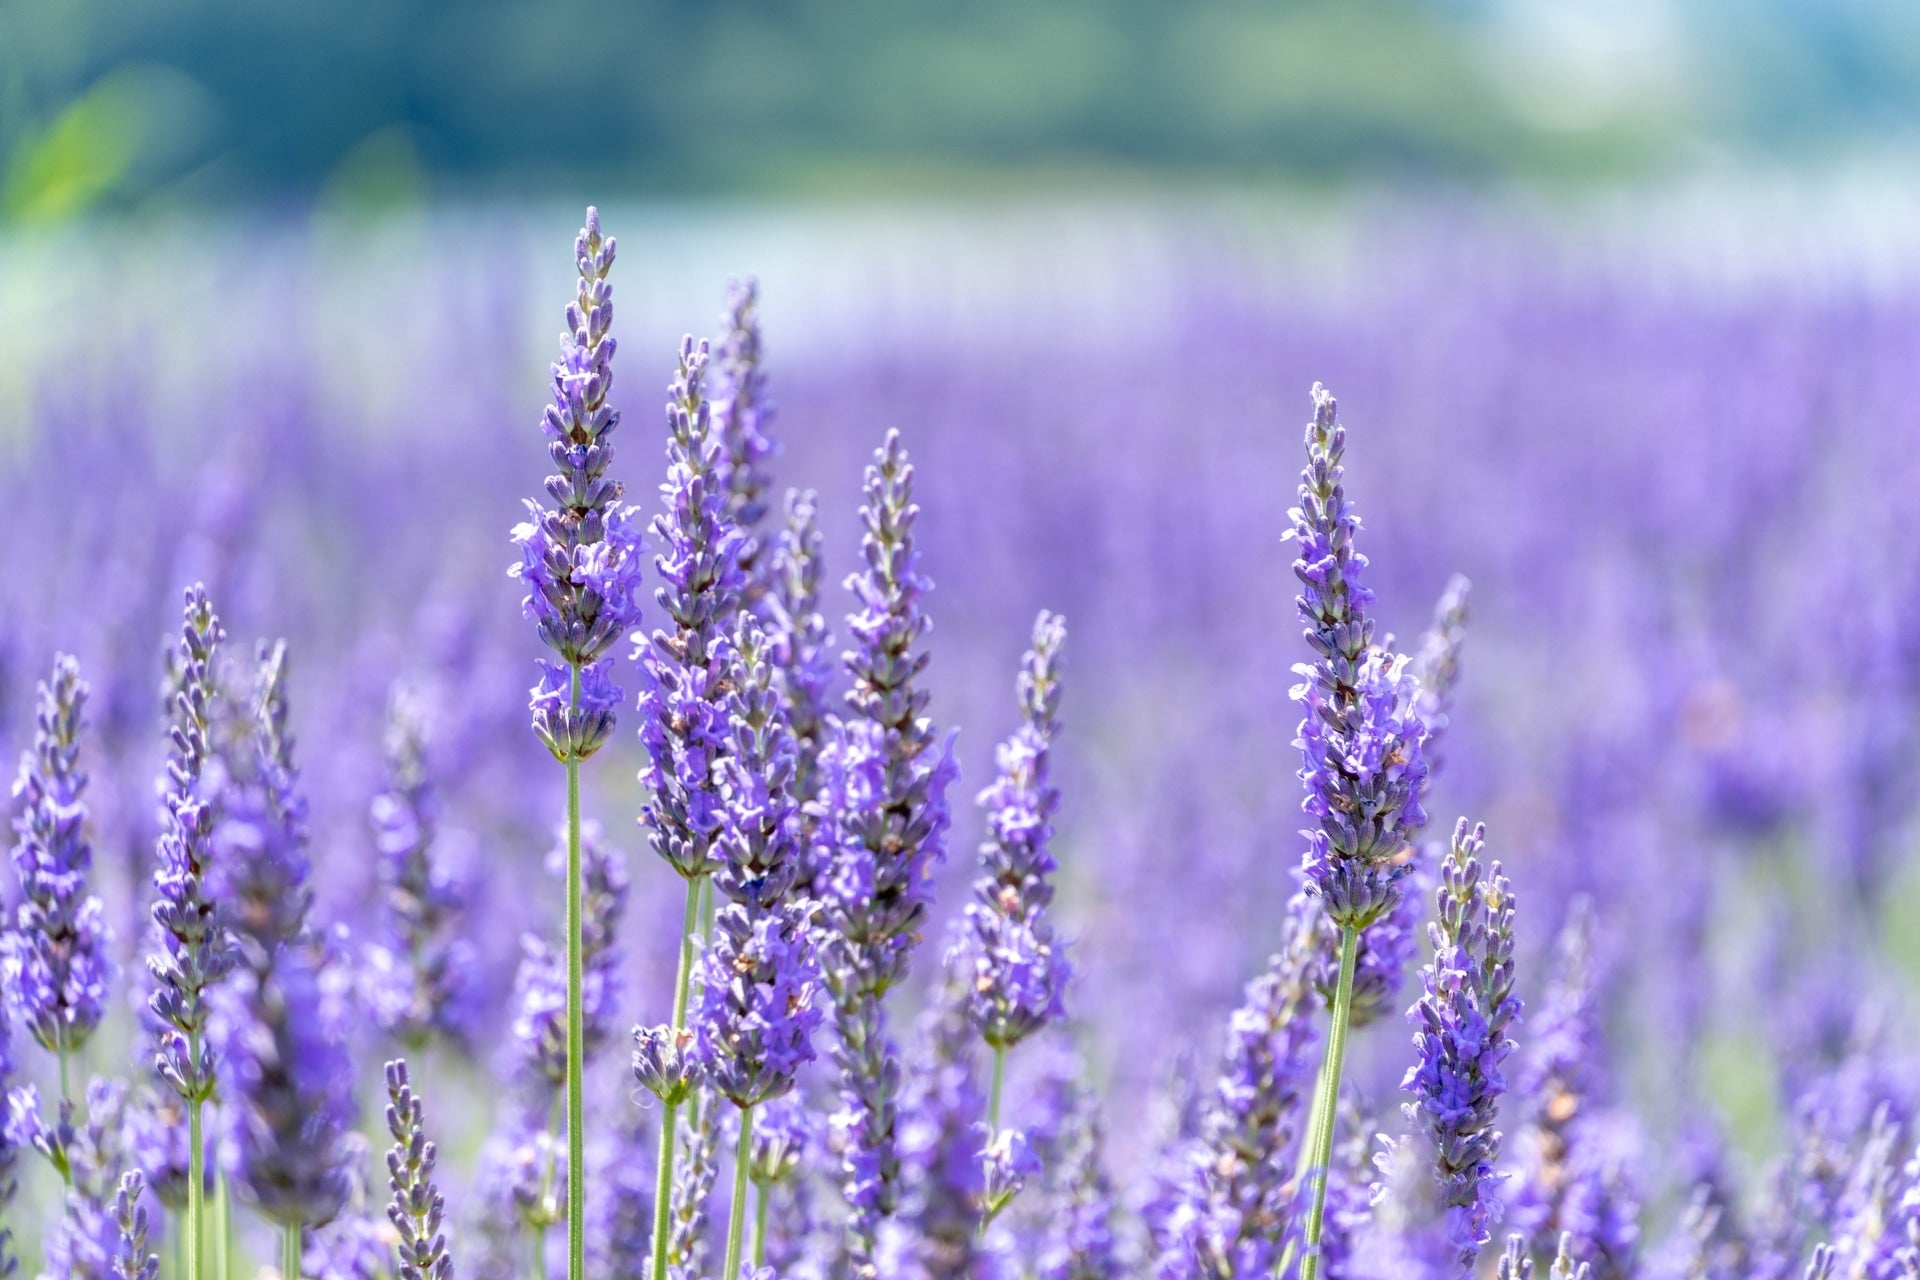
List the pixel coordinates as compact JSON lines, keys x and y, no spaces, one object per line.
{"x":883,"y":820}
{"x":1462,"y":1020}
{"x":1016,"y":974}
{"x":800,"y":641}
{"x":580,"y":561}
{"x":131,"y":1260}
{"x":55,"y":960}
{"x":194,"y":950}
{"x":419,"y":982}
{"x":1360,"y":739}
{"x":417,"y":1209}
{"x":742,"y":411}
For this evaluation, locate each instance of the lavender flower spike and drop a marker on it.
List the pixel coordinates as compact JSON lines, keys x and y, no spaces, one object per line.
{"x":798,"y":635}
{"x":131,"y":1260}
{"x":55,"y":962}
{"x":883,"y":817}
{"x":9,"y":1153}
{"x":1017,"y":973}
{"x":417,"y":1209}
{"x":742,"y":411}
{"x":1462,"y":1020}
{"x":580,"y":558}
{"x":1437,"y":664}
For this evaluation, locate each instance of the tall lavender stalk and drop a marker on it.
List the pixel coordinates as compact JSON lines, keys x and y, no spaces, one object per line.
{"x":742,"y":411}
{"x":580,"y":562}
{"x":55,"y":956}
{"x":800,"y":641}
{"x":194,"y":950}
{"x":131,"y":1260}
{"x":683,"y":721}
{"x":883,"y":818}
{"x":417,"y":1208}
{"x":1361,"y":743}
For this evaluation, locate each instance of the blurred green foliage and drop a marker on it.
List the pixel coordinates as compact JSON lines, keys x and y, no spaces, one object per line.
{"x":125,"y":101}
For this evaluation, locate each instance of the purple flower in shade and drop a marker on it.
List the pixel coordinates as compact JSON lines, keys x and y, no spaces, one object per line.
{"x":799,"y":643}
{"x":540,"y":988}
{"x":1573,"y":1167}
{"x":131,"y":1260}
{"x":783,"y":1138}
{"x":1437,"y":667}
{"x":1232,"y":1199}
{"x":620,"y":1214}
{"x":942,"y":1123}
{"x":260,"y":841}
{"x":1085,"y":1245}
{"x":882,"y":822}
{"x":760,"y":1002}
{"x":54,"y":961}
{"x":742,"y":410}
{"x":291,"y":1111}
{"x":417,"y":1209}
{"x":683,"y":699}
{"x":1461,"y":1038}
{"x":1361,"y":733}
{"x":417,"y":986}
{"x":695,"y":1167}
{"x":1016,"y":973}
{"x":194,"y":951}
{"x":580,"y":558}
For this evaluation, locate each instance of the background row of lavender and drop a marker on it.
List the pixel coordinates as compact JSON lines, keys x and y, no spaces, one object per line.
{"x":1691,"y":679}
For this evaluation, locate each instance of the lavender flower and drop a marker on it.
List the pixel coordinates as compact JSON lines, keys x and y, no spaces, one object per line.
{"x":580,"y":559}
{"x":799,"y":641}
{"x":783,"y":1139}
{"x":131,"y":1260}
{"x":261,"y":839}
{"x":882,"y":819}
{"x":683,"y":700}
{"x":696,"y":1165}
{"x":664,"y":1062}
{"x":1007,"y":1164}
{"x":1017,"y":975}
{"x":759,"y":1003}
{"x":1462,"y":1020}
{"x":292,"y":1109}
{"x":417,"y":1209}
{"x":9,"y":1151}
{"x":419,"y":986}
{"x":942,"y":1127}
{"x":620,"y":1227}
{"x":759,"y":841}
{"x":54,"y":958}
{"x":1437,"y":667}
{"x":1085,"y":1246}
{"x":195,"y":952}
{"x":1361,"y":734}
{"x":742,"y":411}
{"x":88,"y":1154}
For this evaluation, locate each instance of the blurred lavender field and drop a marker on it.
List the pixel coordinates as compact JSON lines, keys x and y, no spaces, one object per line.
{"x":1680,"y":471}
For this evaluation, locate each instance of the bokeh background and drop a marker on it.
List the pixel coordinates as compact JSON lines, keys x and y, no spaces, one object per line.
{"x":1622,"y":303}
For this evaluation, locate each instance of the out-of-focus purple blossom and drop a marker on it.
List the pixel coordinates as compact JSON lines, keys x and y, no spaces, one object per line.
{"x":417,"y":1210}
{"x":620,"y":1214}
{"x":521,"y":1191}
{"x":54,"y":959}
{"x":1462,"y":1023}
{"x":9,"y":1150}
{"x":1016,"y":973}
{"x":260,"y":841}
{"x":1517,"y":1262}
{"x":800,"y":646}
{"x":1437,"y":667}
{"x":942,"y":1122}
{"x":89,"y":1155}
{"x":131,"y":1261}
{"x":1361,"y":735}
{"x":292,"y":1105}
{"x":882,"y":822}
{"x":1699,"y":1248}
{"x":683,"y":711}
{"x":1081,"y":1241}
{"x":1233,"y":1199}
{"x":194,"y":951}
{"x":742,"y":412}
{"x":784,"y":1136}
{"x":696,"y":1165}
{"x":580,"y":559}
{"x":760,"y":1002}
{"x":417,"y":985}
{"x":540,"y":988}
{"x":1007,"y":1164}
{"x":156,"y":1140}
{"x":664,"y":1061}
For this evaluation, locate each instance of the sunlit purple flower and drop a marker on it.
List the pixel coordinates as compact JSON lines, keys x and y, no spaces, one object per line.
{"x":760,"y":1002}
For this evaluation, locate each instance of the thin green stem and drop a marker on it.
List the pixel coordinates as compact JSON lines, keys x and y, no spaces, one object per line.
{"x":196,"y":1174}
{"x":66,"y":1088}
{"x":1328,"y":1101}
{"x":670,"y":1118}
{"x":737,"y":1214}
{"x":762,"y":1201}
{"x":993,"y":1095}
{"x":576,"y":1029}
{"x":222,"y":1228}
{"x":180,"y":1250}
{"x":290,"y":1252}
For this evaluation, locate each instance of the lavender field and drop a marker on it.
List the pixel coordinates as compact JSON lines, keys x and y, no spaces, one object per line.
{"x":911,"y":936}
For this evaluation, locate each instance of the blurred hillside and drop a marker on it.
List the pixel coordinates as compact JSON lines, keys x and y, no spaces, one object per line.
{"x":137,"y":103}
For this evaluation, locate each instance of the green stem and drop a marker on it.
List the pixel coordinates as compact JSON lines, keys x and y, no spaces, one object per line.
{"x":222,"y":1228}
{"x":290,"y":1252}
{"x":670,"y":1118}
{"x":762,"y":1201}
{"x":196,"y":1174}
{"x":993,"y":1095}
{"x":66,"y":1089}
{"x":1328,"y":1102}
{"x":576,"y":1029}
{"x":737,"y":1214}
{"x":180,"y":1250}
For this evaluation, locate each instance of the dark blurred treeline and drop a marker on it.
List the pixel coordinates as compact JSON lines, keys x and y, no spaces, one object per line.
{"x":122,"y":102}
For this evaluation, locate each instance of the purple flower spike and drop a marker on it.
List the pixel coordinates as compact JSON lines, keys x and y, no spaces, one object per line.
{"x":417,"y":1209}
{"x":9,"y":1151}
{"x":760,"y":842}
{"x":131,"y":1260}
{"x":1362,"y":735}
{"x":760,"y":1002}
{"x":1017,"y":972}
{"x":683,"y":713}
{"x":799,"y":639}
{"x":194,"y":951}
{"x":261,"y":840}
{"x":580,"y":558}
{"x":55,"y":958}
{"x":742,"y":410}
{"x":1437,"y":665}
{"x":1462,"y":1023}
